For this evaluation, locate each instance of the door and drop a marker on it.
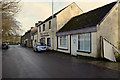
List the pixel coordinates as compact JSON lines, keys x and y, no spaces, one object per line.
{"x":74,"y":43}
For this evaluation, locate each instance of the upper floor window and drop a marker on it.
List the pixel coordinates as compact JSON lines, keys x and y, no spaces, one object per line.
{"x":39,"y":28}
{"x":49,"y":24}
{"x":43,"y":27}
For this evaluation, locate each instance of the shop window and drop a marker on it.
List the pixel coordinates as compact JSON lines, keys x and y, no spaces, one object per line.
{"x":48,"y":42}
{"x":42,"y":41}
{"x":62,"y":42}
{"x":43,"y":27}
{"x":84,"y":42}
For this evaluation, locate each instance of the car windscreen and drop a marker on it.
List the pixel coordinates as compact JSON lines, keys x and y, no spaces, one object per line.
{"x":38,"y":44}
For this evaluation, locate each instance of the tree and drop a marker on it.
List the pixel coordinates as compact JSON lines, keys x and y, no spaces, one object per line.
{"x":9,"y":24}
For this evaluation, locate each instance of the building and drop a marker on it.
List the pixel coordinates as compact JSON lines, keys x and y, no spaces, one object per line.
{"x":30,"y":37}
{"x":34,"y":35}
{"x":119,"y":21}
{"x":48,"y":28}
{"x":26,"y":39}
{"x":81,"y":35}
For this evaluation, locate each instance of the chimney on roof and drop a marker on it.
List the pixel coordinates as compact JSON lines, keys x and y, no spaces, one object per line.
{"x":39,"y":21}
{"x":32,"y":27}
{"x":36,"y":24}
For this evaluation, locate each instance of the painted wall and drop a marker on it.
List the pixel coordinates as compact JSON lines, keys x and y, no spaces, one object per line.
{"x":119,"y":23}
{"x":108,"y":28}
{"x":93,"y":46}
{"x":49,"y":31}
{"x":32,"y":33}
{"x":64,"y":16}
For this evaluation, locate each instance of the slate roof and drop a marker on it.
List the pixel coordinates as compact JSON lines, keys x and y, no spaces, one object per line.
{"x":89,"y":19}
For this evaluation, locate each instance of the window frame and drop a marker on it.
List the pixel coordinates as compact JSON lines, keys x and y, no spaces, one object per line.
{"x":58,"y":43}
{"x":89,"y":46}
{"x":50,"y":42}
{"x":43,"y":27}
{"x":49,"y":24}
{"x":39,"y":28}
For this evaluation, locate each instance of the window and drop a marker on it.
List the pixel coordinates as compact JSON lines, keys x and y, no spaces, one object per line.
{"x":39,"y":28}
{"x":48,"y":42}
{"x":42,"y":41}
{"x":43,"y":27}
{"x":84,"y":42}
{"x":62,"y":42}
{"x":49,"y":24}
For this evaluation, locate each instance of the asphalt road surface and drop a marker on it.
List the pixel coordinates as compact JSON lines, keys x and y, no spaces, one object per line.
{"x":20,"y":62}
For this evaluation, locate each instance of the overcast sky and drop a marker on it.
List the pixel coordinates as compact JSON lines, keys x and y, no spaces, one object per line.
{"x":33,"y":11}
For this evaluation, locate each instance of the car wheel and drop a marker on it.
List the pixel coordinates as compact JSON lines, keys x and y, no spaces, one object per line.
{"x":36,"y":50}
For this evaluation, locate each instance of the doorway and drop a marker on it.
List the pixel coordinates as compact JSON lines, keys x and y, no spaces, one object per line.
{"x":74,"y":43}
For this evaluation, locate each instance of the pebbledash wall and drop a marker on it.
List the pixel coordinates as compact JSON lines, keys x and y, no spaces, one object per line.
{"x":64,"y":16}
{"x":119,"y":23}
{"x":47,"y":33}
{"x":107,"y":28}
{"x":59,"y":19}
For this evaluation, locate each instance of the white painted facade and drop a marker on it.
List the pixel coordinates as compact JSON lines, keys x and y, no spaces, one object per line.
{"x":108,"y":29}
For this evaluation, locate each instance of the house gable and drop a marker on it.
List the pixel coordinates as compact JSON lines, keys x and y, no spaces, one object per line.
{"x":69,"y":12}
{"x":108,"y":27}
{"x":89,"y":19}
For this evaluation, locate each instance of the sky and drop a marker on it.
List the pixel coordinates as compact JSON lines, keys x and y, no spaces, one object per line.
{"x":33,"y":11}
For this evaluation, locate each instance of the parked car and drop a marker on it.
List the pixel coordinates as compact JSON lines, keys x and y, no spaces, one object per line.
{"x":5,"y":46}
{"x":40,"y":47}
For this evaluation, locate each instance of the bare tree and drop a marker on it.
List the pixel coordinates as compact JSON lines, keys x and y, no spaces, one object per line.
{"x":9,"y":24}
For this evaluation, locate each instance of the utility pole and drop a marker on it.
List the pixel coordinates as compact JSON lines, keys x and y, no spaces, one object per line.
{"x":52,"y":28}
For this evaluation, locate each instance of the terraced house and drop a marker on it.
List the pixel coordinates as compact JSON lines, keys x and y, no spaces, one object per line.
{"x":48,"y":28}
{"x":73,"y":32}
{"x":81,"y":35}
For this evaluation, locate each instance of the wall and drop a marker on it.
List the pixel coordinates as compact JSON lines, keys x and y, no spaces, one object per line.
{"x":93,"y":46}
{"x":64,"y":16}
{"x":119,"y":23}
{"x":108,"y":28}
{"x":47,"y":30}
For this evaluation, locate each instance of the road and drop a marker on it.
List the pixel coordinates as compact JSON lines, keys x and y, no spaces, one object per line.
{"x":21,"y":62}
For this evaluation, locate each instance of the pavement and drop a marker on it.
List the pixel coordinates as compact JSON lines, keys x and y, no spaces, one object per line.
{"x":21,"y":62}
